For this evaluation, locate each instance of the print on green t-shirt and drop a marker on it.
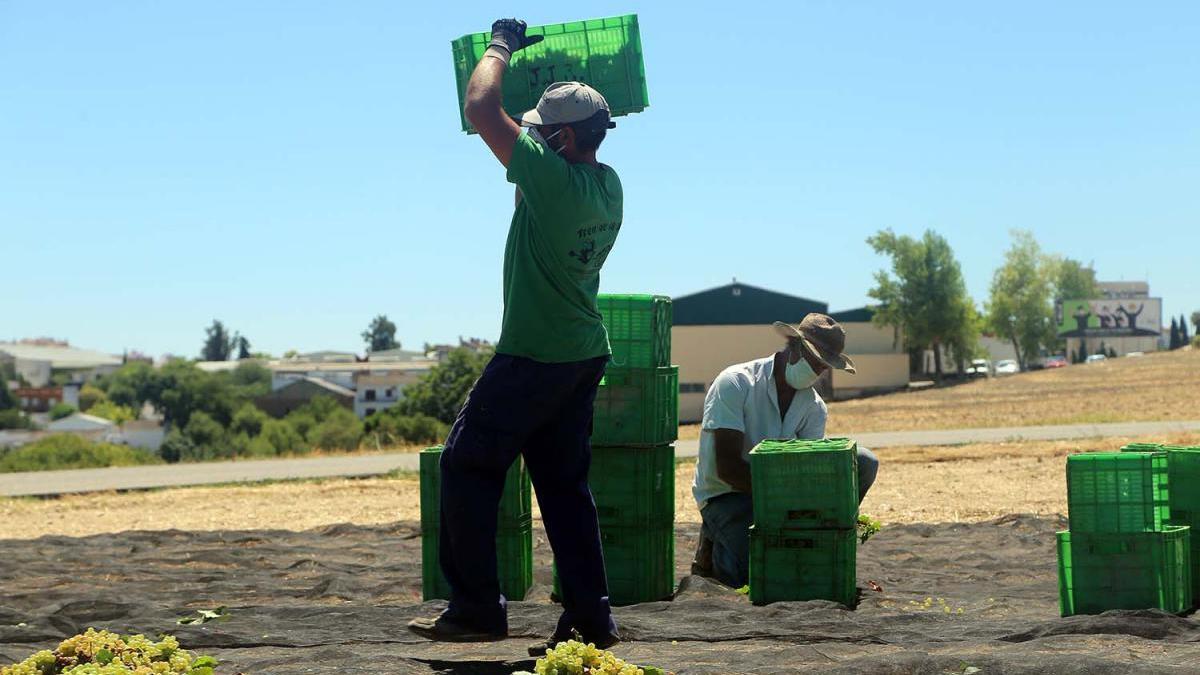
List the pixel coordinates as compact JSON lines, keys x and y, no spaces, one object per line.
{"x":566,"y":221}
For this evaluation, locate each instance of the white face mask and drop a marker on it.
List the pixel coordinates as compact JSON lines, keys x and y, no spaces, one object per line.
{"x":800,"y":375}
{"x":545,"y":142}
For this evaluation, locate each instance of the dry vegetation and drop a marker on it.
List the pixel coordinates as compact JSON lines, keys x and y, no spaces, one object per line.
{"x":1162,"y":386}
{"x":928,"y":484}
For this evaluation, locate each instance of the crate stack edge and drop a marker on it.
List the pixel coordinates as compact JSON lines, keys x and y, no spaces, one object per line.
{"x":804,"y":542}
{"x":1183,"y":478}
{"x":1121,"y":551}
{"x":635,"y":424}
{"x":514,"y":531}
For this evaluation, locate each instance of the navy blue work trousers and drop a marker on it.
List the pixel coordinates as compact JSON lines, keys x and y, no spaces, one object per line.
{"x":543,"y":412}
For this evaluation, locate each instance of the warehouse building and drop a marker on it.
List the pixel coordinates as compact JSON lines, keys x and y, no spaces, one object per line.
{"x":719,"y":327}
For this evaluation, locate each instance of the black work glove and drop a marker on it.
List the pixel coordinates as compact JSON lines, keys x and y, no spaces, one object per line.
{"x":509,"y":35}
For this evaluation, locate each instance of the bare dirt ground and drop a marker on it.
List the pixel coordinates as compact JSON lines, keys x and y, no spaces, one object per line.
{"x":1159,"y":386}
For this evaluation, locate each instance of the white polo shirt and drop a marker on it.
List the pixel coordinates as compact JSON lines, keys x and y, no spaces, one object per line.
{"x":743,"y":398}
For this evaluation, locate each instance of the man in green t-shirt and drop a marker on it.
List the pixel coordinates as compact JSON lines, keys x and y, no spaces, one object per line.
{"x":535,"y":397}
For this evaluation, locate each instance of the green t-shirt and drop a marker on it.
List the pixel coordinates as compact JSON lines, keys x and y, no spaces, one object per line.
{"x":565,"y":224}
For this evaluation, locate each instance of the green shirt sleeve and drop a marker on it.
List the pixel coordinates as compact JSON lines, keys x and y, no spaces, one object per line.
{"x":541,"y":174}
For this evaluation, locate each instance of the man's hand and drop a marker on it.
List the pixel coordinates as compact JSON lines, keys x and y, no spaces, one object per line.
{"x":509,"y":35}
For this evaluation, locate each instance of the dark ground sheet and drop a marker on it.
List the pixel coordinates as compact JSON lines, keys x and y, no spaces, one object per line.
{"x":336,"y":600}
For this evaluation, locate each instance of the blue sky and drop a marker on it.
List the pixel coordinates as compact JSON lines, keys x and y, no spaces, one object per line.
{"x":294,"y":168}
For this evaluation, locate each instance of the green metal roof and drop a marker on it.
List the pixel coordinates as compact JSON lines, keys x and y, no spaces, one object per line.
{"x":740,"y":304}
{"x":860,"y":315}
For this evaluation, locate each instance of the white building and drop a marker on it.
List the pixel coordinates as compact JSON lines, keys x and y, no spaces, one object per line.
{"x":377,"y":385}
{"x":38,"y":362}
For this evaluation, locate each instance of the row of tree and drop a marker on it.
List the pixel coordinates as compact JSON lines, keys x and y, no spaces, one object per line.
{"x":924,"y":294}
{"x":220,"y":344}
{"x":1179,"y":331}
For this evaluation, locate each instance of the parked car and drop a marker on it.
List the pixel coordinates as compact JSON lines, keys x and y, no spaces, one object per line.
{"x":1056,"y":361}
{"x":1096,"y":358}
{"x":1007,"y":367}
{"x":979,"y":368}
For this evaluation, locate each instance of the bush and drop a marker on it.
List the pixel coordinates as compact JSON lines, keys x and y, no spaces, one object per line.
{"x":109,"y":410}
{"x":283,"y":438}
{"x":209,"y":439}
{"x":61,"y":410}
{"x":176,"y":446}
{"x":396,"y":429}
{"x":248,"y":420}
{"x":340,"y":430}
{"x":14,"y":419}
{"x":70,"y":451}
{"x":90,"y":395}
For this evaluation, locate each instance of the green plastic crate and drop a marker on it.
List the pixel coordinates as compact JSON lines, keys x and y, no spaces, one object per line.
{"x":1181,"y":518}
{"x":514,"y":562}
{"x":514,"y":538}
{"x":1117,"y":492}
{"x":515,"y":502}
{"x":805,"y":484}
{"x":637,"y":408}
{"x":603,"y":53}
{"x":1098,"y":572}
{"x":797,"y":565}
{"x":639,"y":330}
{"x":639,"y":563}
{"x":1183,"y":471}
{"x":633,"y":487}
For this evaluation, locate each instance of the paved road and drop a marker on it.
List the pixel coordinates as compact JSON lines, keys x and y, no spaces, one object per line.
{"x":41,"y":483}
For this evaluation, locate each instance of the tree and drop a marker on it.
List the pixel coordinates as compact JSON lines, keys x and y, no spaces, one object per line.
{"x":243,"y":347}
{"x":925,"y":296}
{"x":1072,"y":281}
{"x":1020,"y":307}
{"x":217,"y":344}
{"x":441,"y":392}
{"x":1174,"y":343}
{"x":1083,"y":354}
{"x":1184,"y":338}
{"x":380,"y":335}
{"x":7,"y":400}
{"x":1196,"y":321}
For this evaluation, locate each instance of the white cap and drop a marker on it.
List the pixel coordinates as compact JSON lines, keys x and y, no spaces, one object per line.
{"x":566,"y":103}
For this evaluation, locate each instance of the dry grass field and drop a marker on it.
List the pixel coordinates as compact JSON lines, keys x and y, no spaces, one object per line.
{"x":1162,"y":386}
{"x":969,"y":483}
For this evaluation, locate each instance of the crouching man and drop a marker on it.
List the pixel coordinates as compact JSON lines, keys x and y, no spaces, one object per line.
{"x":768,"y":398}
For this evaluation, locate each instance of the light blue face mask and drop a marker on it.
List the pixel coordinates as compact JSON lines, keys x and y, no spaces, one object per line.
{"x":800,"y":375}
{"x":545,"y":142}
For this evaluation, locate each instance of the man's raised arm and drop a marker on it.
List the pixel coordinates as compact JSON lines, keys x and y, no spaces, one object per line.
{"x":484,"y":109}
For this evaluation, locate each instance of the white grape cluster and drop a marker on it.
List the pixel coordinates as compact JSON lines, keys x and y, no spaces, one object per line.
{"x":576,"y":658}
{"x":104,"y":653}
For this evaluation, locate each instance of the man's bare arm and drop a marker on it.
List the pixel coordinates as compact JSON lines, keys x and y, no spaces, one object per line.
{"x":484,"y":110}
{"x":731,"y":467}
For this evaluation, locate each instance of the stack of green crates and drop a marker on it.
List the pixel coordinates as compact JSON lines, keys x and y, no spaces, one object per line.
{"x":1183,"y":477}
{"x":804,"y":542}
{"x":603,"y":53}
{"x":1121,"y":551}
{"x":632,"y":475}
{"x":514,"y":535}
